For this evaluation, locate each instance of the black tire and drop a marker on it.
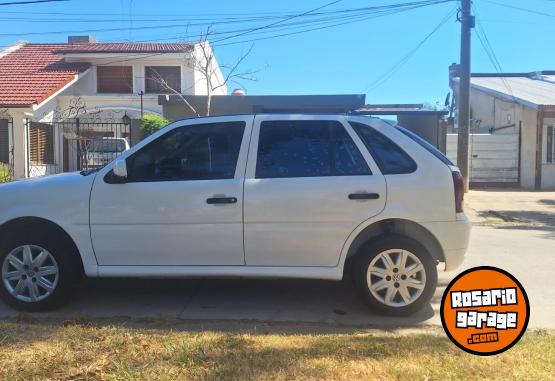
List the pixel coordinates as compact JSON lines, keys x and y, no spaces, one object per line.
{"x":372,"y":249}
{"x":64,"y":253}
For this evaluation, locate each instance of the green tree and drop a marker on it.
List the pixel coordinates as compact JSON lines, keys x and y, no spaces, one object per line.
{"x":152,"y":123}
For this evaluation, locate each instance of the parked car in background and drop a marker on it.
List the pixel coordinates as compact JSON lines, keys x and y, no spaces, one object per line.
{"x":290,"y":196}
{"x":101,"y":151}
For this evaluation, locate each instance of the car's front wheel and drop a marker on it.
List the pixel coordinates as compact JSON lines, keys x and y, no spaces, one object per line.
{"x":37,"y":270}
{"x":395,"y":275}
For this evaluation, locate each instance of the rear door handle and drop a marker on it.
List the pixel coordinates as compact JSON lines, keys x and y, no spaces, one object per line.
{"x":221,"y":200}
{"x":364,"y":196}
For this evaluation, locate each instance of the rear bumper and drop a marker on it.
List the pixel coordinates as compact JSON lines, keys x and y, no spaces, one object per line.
{"x":454,"y":238}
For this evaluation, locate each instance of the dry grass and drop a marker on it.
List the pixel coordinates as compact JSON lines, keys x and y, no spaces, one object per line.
{"x":72,"y":352}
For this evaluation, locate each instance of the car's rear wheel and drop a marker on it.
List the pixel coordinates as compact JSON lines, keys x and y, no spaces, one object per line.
{"x":395,"y":275}
{"x":37,"y":270}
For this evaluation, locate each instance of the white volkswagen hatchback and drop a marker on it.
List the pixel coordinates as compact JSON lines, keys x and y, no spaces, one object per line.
{"x":291,"y":196}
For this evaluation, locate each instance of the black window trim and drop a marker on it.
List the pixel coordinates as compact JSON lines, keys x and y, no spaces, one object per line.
{"x":109,"y":178}
{"x":426,"y":145}
{"x":376,"y":157}
{"x":329,"y":127}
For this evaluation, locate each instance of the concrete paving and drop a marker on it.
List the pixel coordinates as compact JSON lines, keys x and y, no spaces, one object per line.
{"x":528,"y":254}
{"x":514,"y":230}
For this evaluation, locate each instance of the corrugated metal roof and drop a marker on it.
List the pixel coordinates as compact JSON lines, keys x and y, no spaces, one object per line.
{"x":525,"y":90}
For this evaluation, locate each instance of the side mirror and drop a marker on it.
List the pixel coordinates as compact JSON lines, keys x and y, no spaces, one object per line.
{"x":120,"y":169}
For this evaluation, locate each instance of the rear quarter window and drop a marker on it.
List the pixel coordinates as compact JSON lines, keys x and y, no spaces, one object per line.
{"x":391,"y":159}
{"x":429,"y":147}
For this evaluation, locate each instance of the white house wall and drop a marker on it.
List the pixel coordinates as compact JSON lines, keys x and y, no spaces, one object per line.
{"x":495,"y":112}
{"x":200,"y":87}
{"x":19,"y":142}
{"x":190,"y":83}
{"x":528,"y":148}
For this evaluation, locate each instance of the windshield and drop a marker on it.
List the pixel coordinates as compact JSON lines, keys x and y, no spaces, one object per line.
{"x":107,"y":145}
{"x":429,"y":147}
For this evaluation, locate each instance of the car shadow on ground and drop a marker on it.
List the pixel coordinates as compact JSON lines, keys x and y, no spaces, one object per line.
{"x":291,"y":305}
{"x":520,"y":218}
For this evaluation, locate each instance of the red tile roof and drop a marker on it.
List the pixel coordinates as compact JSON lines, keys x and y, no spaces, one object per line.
{"x":125,"y":48}
{"x":34,"y":72}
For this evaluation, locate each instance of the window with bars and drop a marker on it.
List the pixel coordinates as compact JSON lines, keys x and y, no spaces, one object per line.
{"x":161,"y":79}
{"x":114,"y":79}
{"x":4,"y":142}
{"x":41,"y":143}
{"x":551,"y":144}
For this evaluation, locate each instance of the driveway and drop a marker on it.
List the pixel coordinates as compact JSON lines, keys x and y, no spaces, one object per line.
{"x":523,"y":245}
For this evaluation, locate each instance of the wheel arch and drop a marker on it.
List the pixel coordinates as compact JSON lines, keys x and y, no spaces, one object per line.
{"x":398,"y":226}
{"x":16,"y":225}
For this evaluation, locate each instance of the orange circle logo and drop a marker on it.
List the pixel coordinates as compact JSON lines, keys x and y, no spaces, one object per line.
{"x":485,"y":311}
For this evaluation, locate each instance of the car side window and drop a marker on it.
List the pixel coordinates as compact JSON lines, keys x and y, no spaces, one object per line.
{"x":312,"y":148}
{"x":391,"y":159}
{"x":196,"y":152}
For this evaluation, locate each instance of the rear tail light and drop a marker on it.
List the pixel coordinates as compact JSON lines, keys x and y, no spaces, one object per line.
{"x":458,"y":183}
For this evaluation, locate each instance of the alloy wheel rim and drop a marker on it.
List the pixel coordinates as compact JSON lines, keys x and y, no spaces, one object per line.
{"x":30,"y":273}
{"x":396,"y":277}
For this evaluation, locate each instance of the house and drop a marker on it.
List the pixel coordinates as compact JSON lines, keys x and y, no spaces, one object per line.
{"x":513,"y":129}
{"x":174,"y":106}
{"x":429,"y":124}
{"x":56,"y":98}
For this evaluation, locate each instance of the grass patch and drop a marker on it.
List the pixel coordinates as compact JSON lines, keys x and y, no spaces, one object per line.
{"x":75,"y":351}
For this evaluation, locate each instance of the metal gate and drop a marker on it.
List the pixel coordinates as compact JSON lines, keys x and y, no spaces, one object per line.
{"x":90,"y":144}
{"x":494,"y":158}
{"x":6,"y":149}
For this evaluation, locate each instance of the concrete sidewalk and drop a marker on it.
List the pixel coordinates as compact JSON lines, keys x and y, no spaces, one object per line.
{"x":528,"y":254}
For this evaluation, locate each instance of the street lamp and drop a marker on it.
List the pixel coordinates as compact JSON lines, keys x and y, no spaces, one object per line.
{"x":126,"y":119}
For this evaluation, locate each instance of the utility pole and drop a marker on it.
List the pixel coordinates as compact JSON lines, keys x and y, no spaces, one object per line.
{"x":467,"y":23}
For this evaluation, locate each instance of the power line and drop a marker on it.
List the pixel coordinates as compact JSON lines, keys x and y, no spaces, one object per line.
{"x":244,"y":31}
{"x":389,"y":11}
{"x":527,"y":10}
{"x":31,"y":2}
{"x":281,"y":21}
{"x":358,"y":19}
{"x":326,"y":21}
{"x":397,"y":66}
{"x":490,"y":52}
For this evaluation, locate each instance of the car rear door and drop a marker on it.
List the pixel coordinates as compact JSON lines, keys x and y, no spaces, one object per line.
{"x":309,"y":183}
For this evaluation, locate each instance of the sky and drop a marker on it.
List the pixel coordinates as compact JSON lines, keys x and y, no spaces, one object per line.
{"x":346,"y":59}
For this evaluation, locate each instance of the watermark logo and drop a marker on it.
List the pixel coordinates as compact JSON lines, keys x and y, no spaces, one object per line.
{"x":485,"y":311}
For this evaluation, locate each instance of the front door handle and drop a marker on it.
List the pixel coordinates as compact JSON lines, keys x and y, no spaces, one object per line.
{"x":221,"y":200}
{"x":364,"y":196}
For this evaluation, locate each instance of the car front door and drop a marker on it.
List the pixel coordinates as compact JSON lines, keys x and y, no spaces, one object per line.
{"x":310,"y":182}
{"x":182,"y":202}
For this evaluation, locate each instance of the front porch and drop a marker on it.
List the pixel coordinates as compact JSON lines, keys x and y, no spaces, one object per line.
{"x":63,"y":141}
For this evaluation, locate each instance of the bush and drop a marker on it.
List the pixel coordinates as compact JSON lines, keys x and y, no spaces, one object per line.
{"x":152,"y":123}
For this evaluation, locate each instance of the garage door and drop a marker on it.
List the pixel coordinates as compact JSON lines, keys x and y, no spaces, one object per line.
{"x":494,"y":158}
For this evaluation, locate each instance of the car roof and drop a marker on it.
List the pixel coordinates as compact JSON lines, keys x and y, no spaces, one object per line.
{"x":277,"y":114}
